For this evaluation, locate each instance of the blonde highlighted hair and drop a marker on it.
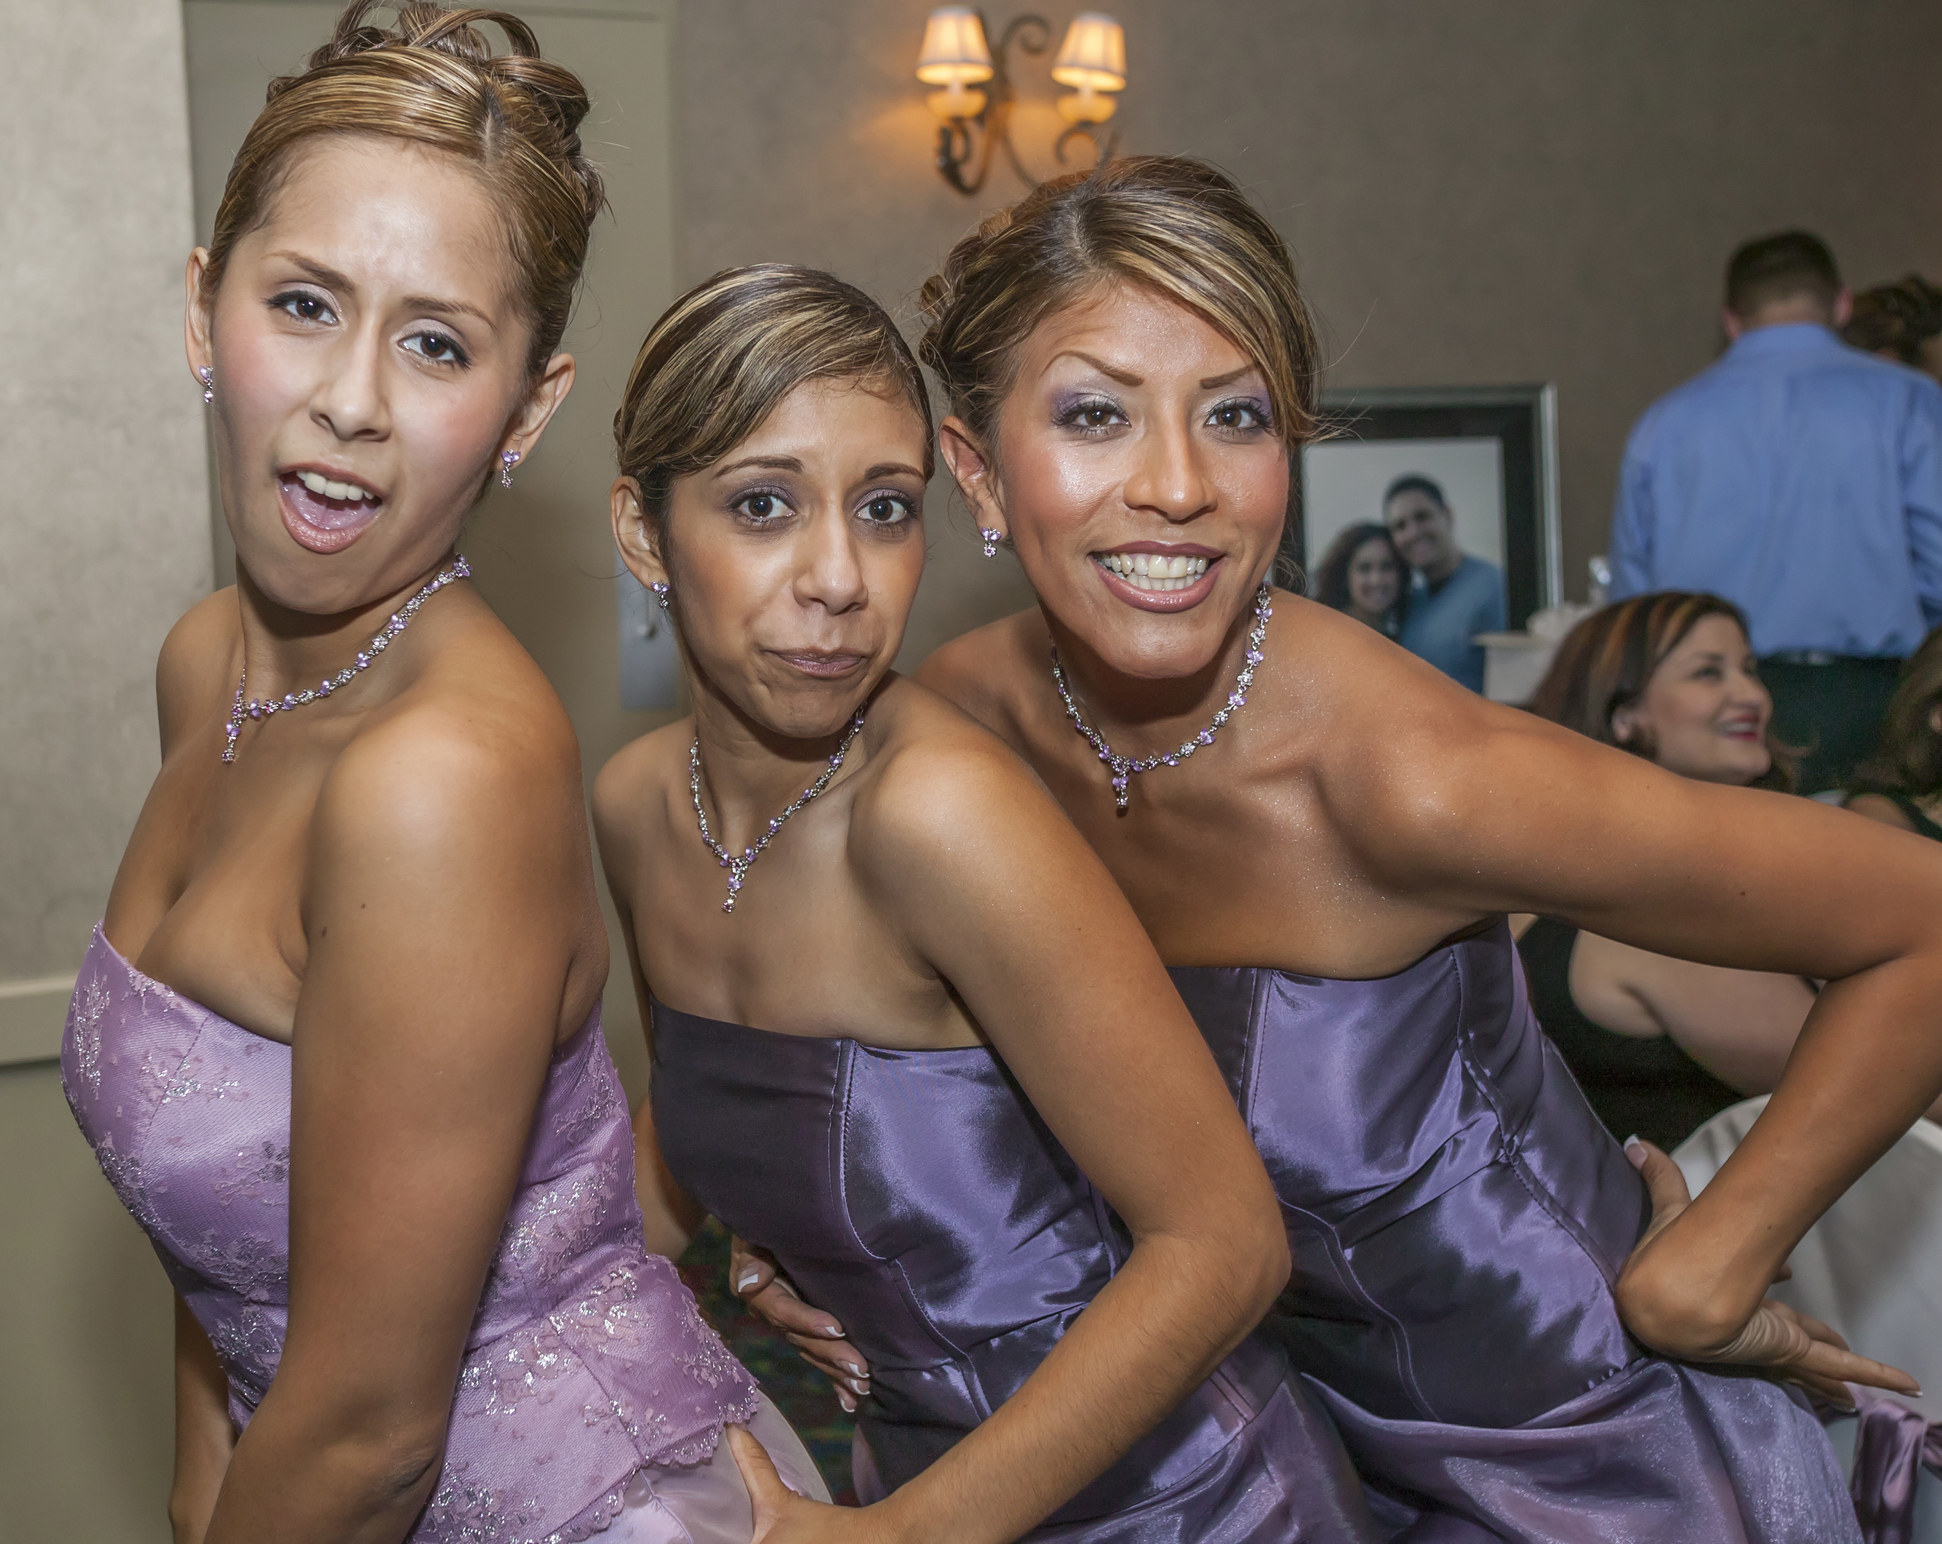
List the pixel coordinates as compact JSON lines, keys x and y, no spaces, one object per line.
{"x":1170,"y":223}
{"x":432,"y":79}
{"x":723,"y":357}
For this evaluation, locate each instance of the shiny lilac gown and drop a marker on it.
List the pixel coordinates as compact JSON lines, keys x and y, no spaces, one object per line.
{"x":592,"y":1395}
{"x":917,"y":1196}
{"x":1458,"y":1216}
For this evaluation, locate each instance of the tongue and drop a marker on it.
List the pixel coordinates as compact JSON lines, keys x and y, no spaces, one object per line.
{"x":327,"y":513}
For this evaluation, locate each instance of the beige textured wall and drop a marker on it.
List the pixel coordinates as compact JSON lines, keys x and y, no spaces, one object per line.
{"x":103,"y":542}
{"x":1476,"y":190}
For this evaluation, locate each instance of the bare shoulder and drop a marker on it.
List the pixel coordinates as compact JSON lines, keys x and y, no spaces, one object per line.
{"x":940,"y":784}
{"x":634,"y":782}
{"x":192,"y":670}
{"x":976,"y":669}
{"x":478,"y":754}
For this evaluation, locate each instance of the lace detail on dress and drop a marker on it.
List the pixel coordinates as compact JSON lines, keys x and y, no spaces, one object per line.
{"x":604,"y":1100}
{"x":550,"y":1228}
{"x":462,"y":1512}
{"x":256,"y":1268}
{"x":250,"y":1344}
{"x":262,"y":1175}
{"x":87,"y":1009}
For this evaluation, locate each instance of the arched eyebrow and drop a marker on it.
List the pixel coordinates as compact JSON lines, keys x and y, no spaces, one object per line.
{"x":767,"y":463}
{"x":331,"y":279}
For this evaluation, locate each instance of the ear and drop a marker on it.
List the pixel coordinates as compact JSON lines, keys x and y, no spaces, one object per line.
{"x":196,"y":334}
{"x":634,"y":533}
{"x":972,"y":470}
{"x":1625,"y":726}
{"x":1843,"y":307}
{"x":541,"y":403}
{"x":1732,"y":323}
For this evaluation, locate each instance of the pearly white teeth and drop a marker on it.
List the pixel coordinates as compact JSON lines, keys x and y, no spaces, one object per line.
{"x":1152,"y":571}
{"x":324,"y":487}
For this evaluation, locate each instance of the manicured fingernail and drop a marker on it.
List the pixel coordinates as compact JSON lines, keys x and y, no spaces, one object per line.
{"x":1634,"y":1150}
{"x":834,"y":1331}
{"x":858,"y":1368}
{"x":859,"y":1386}
{"x":747,"y":1279}
{"x":843,"y":1399}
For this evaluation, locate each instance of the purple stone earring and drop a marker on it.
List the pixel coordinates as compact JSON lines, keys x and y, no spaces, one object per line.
{"x":660,"y":589}
{"x":991,"y":540}
{"x":507,"y":461}
{"x":208,"y":378}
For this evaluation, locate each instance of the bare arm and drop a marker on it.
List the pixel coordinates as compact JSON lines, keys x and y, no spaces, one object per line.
{"x":1740,"y":1025}
{"x":445,"y":908}
{"x":1479,"y":810}
{"x":204,"y":1438}
{"x":1002,"y":897}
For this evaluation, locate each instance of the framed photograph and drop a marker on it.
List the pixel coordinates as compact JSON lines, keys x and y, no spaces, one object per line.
{"x":1486,"y":454}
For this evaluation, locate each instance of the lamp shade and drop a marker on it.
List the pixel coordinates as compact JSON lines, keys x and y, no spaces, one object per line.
{"x":954,"y":52}
{"x":1093,"y":56}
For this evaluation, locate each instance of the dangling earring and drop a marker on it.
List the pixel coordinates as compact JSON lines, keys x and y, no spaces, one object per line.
{"x":208,"y":378}
{"x":991,"y":540}
{"x":508,"y":459}
{"x":660,"y":589}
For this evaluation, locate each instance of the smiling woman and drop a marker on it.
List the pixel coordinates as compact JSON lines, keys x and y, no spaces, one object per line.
{"x":880,"y":1056}
{"x":336,"y":1042}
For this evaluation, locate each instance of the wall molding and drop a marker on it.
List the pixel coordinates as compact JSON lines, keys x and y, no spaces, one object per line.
{"x":33,"y":1015}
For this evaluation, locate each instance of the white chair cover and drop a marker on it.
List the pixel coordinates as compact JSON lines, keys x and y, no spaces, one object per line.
{"x":1871,"y":1269}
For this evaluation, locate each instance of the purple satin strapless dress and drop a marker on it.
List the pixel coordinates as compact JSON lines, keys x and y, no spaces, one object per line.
{"x":588,"y":1371}
{"x":1458,"y":1217}
{"x":917,"y":1196}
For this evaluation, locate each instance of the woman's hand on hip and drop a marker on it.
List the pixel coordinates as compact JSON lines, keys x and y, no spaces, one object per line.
{"x":773,"y":1299}
{"x":1776,"y":1337}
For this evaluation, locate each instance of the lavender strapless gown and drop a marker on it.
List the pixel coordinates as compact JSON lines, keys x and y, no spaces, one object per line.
{"x":917,"y":1196}
{"x":592,"y":1395}
{"x":1458,"y":1216}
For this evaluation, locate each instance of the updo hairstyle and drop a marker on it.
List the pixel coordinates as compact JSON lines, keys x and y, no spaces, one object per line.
{"x":1608,"y":660}
{"x":723,"y":357}
{"x":431,"y":79}
{"x":1172,"y":224}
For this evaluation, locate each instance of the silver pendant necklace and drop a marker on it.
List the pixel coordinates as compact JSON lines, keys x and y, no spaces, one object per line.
{"x":400,"y":620}
{"x":738,"y":867}
{"x":1124,"y":768}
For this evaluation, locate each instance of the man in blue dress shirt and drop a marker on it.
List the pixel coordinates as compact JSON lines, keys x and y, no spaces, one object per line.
{"x":1454,"y":595}
{"x":1802,"y":480}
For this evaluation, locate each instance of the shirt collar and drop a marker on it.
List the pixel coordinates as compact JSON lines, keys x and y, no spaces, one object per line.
{"x":1785,"y":338}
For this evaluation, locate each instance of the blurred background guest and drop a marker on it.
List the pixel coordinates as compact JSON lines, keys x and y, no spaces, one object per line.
{"x":1660,"y":1045}
{"x":1801,"y":479}
{"x":1902,"y":786}
{"x":1453,"y":595}
{"x":1364,"y":575}
{"x":1900,"y":321}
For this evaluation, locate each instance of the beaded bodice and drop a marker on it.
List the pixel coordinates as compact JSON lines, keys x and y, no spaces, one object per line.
{"x":587,"y":1357}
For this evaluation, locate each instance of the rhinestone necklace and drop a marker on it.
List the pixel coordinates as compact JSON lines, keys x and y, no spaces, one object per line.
{"x":738,"y":867}
{"x":1125,"y":767}
{"x":400,"y":619}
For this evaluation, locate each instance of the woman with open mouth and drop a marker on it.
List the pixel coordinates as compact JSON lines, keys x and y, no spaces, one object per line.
{"x":906,"y":1032}
{"x":337,"y":1043}
{"x":1518,"y":1335}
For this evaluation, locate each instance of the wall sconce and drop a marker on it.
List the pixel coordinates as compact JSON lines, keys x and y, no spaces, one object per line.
{"x":956,"y":57}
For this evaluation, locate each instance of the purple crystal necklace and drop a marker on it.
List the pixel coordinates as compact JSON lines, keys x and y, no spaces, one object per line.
{"x":738,"y":867}
{"x":400,"y":620}
{"x":1125,"y":767}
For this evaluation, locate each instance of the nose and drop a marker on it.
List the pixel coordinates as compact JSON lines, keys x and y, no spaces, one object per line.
{"x":829,"y":574}
{"x":1168,"y":477}
{"x":349,"y":396}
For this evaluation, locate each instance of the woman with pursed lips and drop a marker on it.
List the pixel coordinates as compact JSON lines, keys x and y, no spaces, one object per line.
{"x":1363,"y":575}
{"x":336,"y":1043}
{"x":862,"y":936}
{"x":1515,"y":1331}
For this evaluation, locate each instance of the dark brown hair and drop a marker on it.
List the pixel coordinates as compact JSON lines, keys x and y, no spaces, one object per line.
{"x":1896,"y":319}
{"x":1778,"y":267}
{"x":1910,"y":757}
{"x":431,"y":79}
{"x":1606,"y":662}
{"x":724,"y":355}
{"x":1170,"y":223}
{"x":1330,"y":582}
